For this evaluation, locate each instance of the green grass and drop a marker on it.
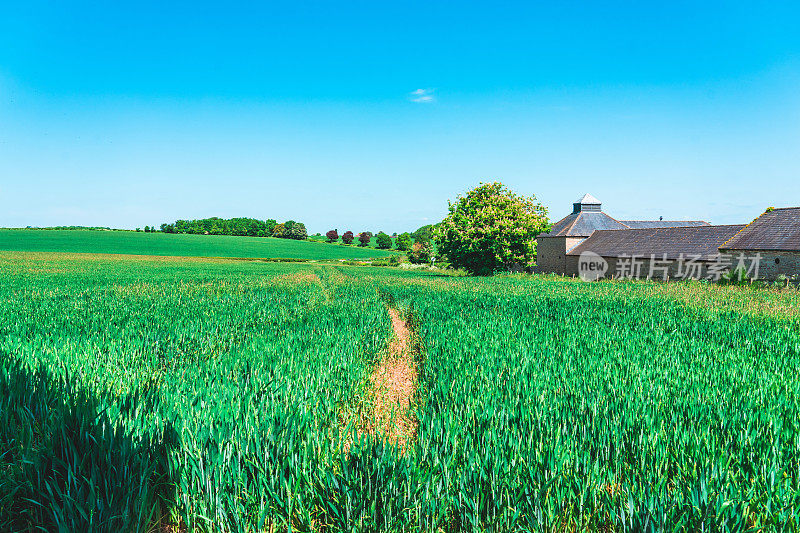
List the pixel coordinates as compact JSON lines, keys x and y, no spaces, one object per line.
{"x":223,"y":392}
{"x":178,"y":389}
{"x":140,"y":243}
{"x":557,"y":406}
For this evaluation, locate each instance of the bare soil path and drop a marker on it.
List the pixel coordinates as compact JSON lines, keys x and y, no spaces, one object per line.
{"x":392,"y":386}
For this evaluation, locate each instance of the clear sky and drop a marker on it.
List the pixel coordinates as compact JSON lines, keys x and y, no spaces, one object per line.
{"x":371,"y":115}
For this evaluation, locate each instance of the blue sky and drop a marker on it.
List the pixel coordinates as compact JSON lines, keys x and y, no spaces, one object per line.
{"x":371,"y":115}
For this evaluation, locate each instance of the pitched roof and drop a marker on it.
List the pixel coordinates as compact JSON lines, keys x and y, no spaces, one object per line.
{"x":582,"y":224}
{"x":587,"y":217}
{"x":641,"y":224}
{"x":778,"y":229}
{"x":689,"y":241}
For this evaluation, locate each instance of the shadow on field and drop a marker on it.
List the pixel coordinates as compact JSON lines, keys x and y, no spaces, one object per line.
{"x":64,"y":466}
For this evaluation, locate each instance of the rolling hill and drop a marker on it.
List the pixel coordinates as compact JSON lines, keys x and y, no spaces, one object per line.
{"x":134,"y":243}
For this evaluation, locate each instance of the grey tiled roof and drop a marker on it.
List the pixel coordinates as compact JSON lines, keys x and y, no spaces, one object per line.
{"x":641,"y":224}
{"x":702,"y":241}
{"x":778,"y":229}
{"x":582,"y":224}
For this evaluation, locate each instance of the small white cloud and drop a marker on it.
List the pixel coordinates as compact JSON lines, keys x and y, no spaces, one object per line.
{"x":422,"y":96}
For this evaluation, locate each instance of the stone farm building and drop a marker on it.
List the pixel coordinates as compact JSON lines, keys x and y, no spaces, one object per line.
{"x":669,"y":249}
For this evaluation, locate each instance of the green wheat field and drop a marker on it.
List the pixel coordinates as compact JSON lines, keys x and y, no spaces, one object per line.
{"x":165,"y":244}
{"x":173,"y":394}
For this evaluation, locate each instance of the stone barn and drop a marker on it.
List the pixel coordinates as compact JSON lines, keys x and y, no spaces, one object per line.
{"x":766,"y":248}
{"x":658,"y":253}
{"x":587,"y":217}
{"x":775,"y":238}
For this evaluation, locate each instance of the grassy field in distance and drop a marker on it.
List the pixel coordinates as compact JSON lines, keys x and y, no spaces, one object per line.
{"x":140,"y":243}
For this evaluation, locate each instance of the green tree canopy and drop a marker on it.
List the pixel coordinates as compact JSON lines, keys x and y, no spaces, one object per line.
{"x":491,"y":229}
{"x":420,"y":253}
{"x":295,"y":230}
{"x":219,"y":226}
{"x":424,"y":234}
{"x":404,"y":242}
{"x":383,"y":241}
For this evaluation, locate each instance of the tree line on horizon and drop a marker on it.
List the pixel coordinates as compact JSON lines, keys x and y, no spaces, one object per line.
{"x":418,"y":245}
{"x":487,"y":230}
{"x":252,"y":227}
{"x":240,"y":226}
{"x":404,"y":241}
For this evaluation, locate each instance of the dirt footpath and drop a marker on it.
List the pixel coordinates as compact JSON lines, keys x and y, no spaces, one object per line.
{"x":392,"y":386}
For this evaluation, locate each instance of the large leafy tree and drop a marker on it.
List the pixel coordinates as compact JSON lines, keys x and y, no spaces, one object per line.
{"x":347,"y":237}
{"x":332,"y":235}
{"x":404,"y":242}
{"x":424,"y":234}
{"x":491,"y":229}
{"x":383,"y":241}
{"x":294,"y":230}
{"x":421,"y":252}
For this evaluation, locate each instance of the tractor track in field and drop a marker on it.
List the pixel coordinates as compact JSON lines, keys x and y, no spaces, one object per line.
{"x":385,"y":410}
{"x":392,"y":386}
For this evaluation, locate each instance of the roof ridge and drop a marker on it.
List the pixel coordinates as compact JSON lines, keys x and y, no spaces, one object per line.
{"x":682,"y":227}
{"x":572,"y":224}
{"x":565,"y":228}
{"x":721,"y":246}
{"x":672,"y":241}
{"x":615,"y":220}
{"x":725,"y":225}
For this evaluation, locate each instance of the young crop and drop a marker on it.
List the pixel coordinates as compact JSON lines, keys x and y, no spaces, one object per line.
{"x":552,"y":406}
{"x":215,"y":400}
{"x":225,"y":396}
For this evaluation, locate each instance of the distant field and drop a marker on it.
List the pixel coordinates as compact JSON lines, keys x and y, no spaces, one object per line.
{"x":125,"y":242}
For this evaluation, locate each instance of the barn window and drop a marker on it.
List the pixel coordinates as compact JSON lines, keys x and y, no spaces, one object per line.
{"x":777,"y":260}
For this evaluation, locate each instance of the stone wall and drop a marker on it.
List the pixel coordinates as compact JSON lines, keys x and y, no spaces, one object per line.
{"x":550,"y":252}
{"x":658,"y":270}
{"x":774,"y":264}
